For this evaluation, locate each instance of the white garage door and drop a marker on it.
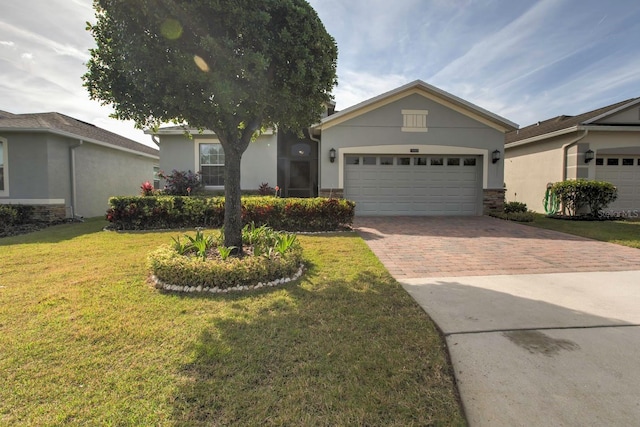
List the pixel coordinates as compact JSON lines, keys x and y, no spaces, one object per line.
{"x":414,"y":185}
{"x":624,"y":173}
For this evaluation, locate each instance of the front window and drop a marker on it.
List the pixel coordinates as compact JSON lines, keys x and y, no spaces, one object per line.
{"x":156,"y":177}
{"x":212,"y":165}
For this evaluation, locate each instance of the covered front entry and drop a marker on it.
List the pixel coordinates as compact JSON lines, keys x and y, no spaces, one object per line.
{"x":624,"y":173}
{"x":414,"y":185}
{"x":297,"y":166}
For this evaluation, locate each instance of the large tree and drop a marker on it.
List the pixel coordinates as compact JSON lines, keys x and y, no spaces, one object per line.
{"x":231,"y":66}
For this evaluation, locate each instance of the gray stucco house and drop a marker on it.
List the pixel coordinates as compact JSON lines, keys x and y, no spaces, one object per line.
{"x":65,"y":167}
{"x":603,"y":144}
{"x":416,"y":150}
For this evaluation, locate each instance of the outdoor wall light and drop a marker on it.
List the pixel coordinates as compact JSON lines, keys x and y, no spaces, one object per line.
{"x":332,"y":155}
{"x":495,"y":156}
{"x":589,"y":155}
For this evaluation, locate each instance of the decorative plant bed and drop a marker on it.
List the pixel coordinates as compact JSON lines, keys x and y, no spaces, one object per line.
{"x":203,"y":264}
{"x":215,"y":290}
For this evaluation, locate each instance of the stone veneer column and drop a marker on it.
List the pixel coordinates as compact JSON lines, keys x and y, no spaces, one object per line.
{"x":334,"y":193}
{"x":493,"y":200}
{"x":49,"y":213}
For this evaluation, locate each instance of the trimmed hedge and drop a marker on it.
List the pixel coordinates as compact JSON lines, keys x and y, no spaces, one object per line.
{"x":290,"y":214}
{"x":514,"y":216}
{"x":576,"y":195}
{"x":170,"y":267}
{"x":11,"y":215}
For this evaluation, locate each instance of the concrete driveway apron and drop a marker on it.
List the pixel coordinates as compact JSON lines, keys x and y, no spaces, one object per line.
{"x":543,"y":328}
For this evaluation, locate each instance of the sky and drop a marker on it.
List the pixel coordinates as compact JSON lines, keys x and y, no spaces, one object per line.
{"x":524,"y":60}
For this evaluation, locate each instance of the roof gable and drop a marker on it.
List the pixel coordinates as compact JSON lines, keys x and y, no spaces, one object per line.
{"x":68,"y":126}
{"x":423,"y":89}
{"x":560,"y":124}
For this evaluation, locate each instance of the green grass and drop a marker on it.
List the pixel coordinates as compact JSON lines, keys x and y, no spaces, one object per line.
{"x":625,"y":233}
{"x":86,"y":340}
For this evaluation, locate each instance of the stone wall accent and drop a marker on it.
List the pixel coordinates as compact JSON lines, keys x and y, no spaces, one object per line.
{"x":49,"y":213}
{"x":336,"y":193}
{"x":492,"y":200}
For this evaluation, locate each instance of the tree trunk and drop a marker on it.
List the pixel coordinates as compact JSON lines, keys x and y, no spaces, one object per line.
{"x":232,"y":203}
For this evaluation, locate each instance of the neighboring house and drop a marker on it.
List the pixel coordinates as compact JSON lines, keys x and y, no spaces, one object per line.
{"x":65,"y":167}
{"x":415,"y":150}
{"x":560,"y":148}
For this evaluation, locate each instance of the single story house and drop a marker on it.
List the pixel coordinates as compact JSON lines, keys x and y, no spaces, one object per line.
{"x":415,"y":150}
{"x":602,"y":144}
{"x":68,"y":168}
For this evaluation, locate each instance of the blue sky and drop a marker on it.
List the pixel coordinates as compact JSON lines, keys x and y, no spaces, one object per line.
{"x":524,"y":60}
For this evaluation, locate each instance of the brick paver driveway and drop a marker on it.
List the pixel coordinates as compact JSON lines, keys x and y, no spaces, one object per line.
{"x":412,"y":247}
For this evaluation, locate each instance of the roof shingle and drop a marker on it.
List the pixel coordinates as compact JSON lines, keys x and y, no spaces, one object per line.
{"x":63,"y":123}
{"x":560,"y":122}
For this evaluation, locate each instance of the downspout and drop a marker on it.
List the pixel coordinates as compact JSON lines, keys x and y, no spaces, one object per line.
{"x":72,"y":161}
{"x":565,"y":150}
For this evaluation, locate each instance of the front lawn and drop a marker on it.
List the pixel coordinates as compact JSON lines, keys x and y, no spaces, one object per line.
{"x":625,"y":233}
{"x":85,"y":340}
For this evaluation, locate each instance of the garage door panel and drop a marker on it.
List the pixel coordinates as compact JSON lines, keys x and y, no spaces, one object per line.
{"x":412,"y":189}
{"x":627,"y":180}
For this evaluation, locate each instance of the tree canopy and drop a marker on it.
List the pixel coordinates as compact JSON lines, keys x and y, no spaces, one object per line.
{"x":230,"y":66}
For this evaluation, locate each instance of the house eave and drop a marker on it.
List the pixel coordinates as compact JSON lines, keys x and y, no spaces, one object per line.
{"x":79,"y":137}
{"x":426,"y":90}
{"x":192,"y":132}
{"x":576,"y":128}
{"x":541,"y":137}
{"x":612,"y":112}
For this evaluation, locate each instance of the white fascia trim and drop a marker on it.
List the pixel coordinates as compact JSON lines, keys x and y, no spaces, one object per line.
{"x":455,"y":104}
{"x":397,"y":150}
{"x":430,"y":92}
{"x":576,"y":128}
{"x":607,"y":128}
{"x":32,"y":201}
{"x":80,"y":138}
{"x":541,"y":137}
{"x":612,"y":112}
{"x":194,"y":132}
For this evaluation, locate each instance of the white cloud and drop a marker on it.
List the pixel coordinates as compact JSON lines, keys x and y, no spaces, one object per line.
{"x":27,"y":56}
{"x":355,"y":87}
{"x":35,"y":39}
{"x":7,"y":43}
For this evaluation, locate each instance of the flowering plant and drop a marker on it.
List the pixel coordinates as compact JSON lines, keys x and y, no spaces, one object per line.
{"x":146,"y":189}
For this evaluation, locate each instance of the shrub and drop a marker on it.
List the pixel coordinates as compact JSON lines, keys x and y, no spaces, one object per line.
{"x":161,"y":212}
{"x":180,"y":183}
{"x":514,"y":216}
{"x":575,"y":195}
{"x":515,"y":207}
{"x":8,"y":215}
{"x":185,"y":267}
{"x":11,"y":215}
{"x":266,"y":190}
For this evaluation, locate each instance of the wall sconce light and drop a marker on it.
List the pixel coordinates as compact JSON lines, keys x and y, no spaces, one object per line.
{"x":589,"y":155}
{"x":495,"y":156}
{"x":332,"y":155}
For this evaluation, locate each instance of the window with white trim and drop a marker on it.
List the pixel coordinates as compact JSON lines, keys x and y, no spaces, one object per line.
{"x":414,"y":120}
{"x":212,"y":165}
{"x":4,"y":181}
{"x":156,"y":177}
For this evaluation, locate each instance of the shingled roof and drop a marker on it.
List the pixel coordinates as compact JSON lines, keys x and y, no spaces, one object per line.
{"x":68,"y":126}
{"x":562,"y":122}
